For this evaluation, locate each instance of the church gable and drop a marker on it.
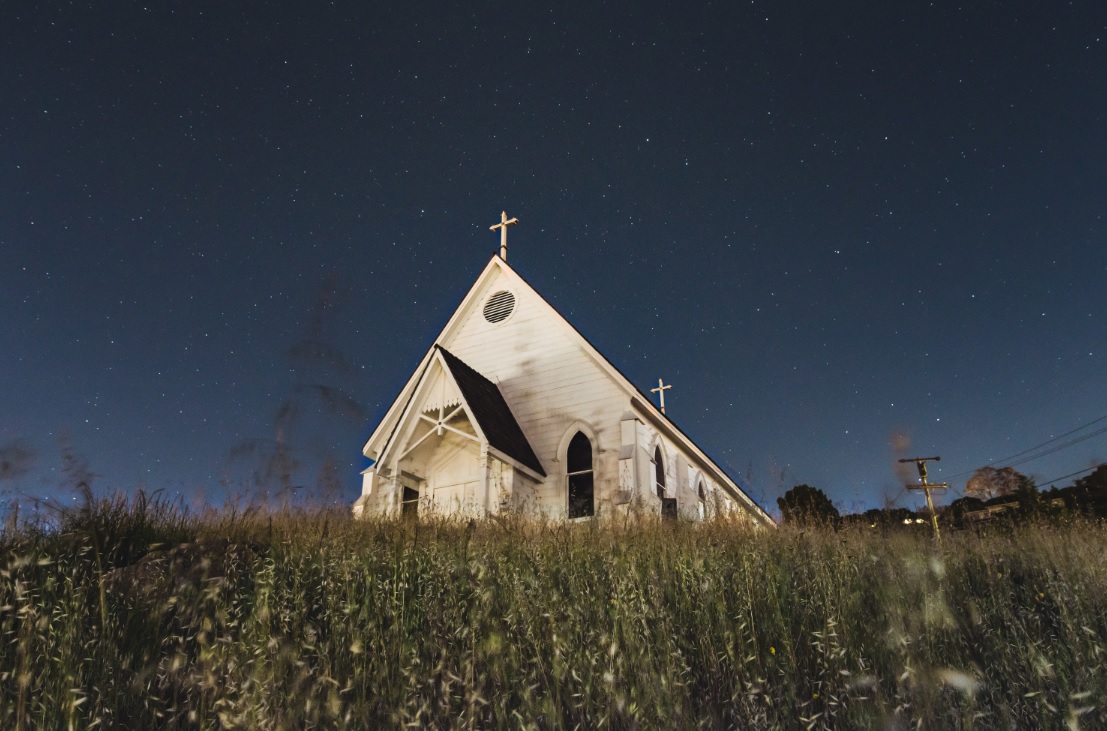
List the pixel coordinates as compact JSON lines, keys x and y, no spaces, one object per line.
{"x":455,"y":447}
{"x":435,"y":412}
{"x":506,"y":327}
{"x":442,"y":392}
{"x":541,"y":365}
{"x":452,"y":400}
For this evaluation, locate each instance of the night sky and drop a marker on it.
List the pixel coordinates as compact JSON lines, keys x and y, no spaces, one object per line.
{"x":844,"y":232}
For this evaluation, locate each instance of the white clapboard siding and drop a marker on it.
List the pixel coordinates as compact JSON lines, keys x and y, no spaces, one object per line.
{"x":547,"y":378}
{"x":550,"y":383}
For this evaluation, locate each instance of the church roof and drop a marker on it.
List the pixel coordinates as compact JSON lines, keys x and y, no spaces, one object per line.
{"x":488,"y":407}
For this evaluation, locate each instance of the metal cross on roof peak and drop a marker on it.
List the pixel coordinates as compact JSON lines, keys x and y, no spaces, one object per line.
{"x":502,"y":226}
{"x":660,"y":390}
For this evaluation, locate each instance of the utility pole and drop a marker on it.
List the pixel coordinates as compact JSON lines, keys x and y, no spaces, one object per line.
{"x":926,"y":487}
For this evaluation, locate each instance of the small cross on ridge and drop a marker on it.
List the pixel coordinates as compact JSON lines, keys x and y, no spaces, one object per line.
{"x":660,"y":390}
{"x":502,"y":226}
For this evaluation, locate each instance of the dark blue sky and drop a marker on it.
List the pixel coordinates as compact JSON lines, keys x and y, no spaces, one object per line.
{"x":831,"y":228}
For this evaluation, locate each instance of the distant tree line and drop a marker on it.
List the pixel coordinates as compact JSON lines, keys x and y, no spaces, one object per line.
{"x":991,"y":493}
{"x":1004,"y":492}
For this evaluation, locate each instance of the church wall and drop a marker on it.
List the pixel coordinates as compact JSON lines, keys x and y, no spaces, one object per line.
{"x":499,"y":484}
{"x":682,"y":479}
{"x":382,"y":500}
{"x":688,"y":501}
{"x":524,"y":497}
{"x":368,"y":482}
{"x":538,"y":365}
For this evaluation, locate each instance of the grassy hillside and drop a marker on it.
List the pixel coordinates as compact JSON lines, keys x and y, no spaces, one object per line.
{"x":311,"y":620}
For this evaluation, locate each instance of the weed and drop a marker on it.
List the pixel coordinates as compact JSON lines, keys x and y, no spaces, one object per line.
{"x":134,"y":614}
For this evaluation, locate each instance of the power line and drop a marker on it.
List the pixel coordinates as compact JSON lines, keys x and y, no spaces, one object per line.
{"x":1039,"y":446}
{"x":1059,"y":447}
{"x":1071,"y":474}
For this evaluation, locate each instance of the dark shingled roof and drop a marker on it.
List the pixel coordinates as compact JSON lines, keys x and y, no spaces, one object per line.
{"x":492,"y":412}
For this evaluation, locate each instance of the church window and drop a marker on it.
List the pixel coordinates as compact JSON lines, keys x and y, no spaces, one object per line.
{"x":578,"y":464}
{"x":499,"y":306}
{"x":703,"y":500}
{"x":668,"y":504}
{"x":409,"y":504}
{"x":659,"y":472}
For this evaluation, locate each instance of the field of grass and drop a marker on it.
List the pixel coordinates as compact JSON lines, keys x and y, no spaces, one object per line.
{"x":310,"y":620}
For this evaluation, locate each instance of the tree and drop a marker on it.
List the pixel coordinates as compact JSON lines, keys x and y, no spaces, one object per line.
{"x":806,"y":505}
{"x":1089,"y":493}
{"x":888,"y":516}
{"x":989,"y":482}
{"x":1095,"y":482}
{"x":1030,"y":500}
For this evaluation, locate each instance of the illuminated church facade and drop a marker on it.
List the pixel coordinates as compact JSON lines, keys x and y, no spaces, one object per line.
{"x":512,"y":410}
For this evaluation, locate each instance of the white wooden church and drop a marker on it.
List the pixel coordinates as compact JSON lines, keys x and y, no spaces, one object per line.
{"x":513,"y":410}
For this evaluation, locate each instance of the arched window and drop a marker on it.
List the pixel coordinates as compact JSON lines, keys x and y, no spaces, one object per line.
{"x":578,"y":465}
{"x":668,"y":504}
{"x":659,"y":472}
{"x":703,"y":500}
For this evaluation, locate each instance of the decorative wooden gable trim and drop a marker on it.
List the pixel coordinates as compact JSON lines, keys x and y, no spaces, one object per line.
{"x":434,"y":384}
{"x":447,"y":387}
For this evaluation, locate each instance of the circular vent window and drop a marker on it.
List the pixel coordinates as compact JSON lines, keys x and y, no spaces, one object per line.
{"x":499,"y":306}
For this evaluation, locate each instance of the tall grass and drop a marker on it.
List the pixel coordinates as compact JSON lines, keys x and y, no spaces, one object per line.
{"x":299,"y":620}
